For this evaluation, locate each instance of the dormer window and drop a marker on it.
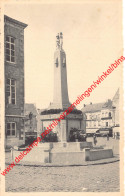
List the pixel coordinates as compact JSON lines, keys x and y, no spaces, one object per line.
{"x":10,"y":49}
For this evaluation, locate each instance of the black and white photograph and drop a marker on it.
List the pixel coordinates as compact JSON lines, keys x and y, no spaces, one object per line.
{"x":62,"y":123}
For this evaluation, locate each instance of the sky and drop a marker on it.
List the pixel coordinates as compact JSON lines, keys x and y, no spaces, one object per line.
{"x":92,"y":41}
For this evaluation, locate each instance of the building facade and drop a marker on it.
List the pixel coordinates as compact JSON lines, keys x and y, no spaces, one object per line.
{"x":14,"y":81}
{"x":116,"y":128}
{"x":102,"y":116}
{"x":92,"y":113}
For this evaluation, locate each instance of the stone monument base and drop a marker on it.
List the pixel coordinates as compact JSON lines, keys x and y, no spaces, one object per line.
{"x":64,"y":153}
{"x":62,"y":129}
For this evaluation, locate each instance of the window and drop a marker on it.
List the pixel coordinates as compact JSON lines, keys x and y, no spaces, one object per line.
{"x":106,"y":124}
{"x":11,"y":91}
{"x":10,"y":49}
{"x":11,"y":129}
{"x":109,"y":114}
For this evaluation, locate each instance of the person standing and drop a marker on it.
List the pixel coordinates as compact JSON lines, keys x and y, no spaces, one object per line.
{"x":94,"y":139}
{"x":107,"y":137}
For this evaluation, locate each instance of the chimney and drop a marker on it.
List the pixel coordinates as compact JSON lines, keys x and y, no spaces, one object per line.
{"x":109,"y":101}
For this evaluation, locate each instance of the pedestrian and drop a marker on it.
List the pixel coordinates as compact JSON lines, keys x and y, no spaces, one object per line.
{"x":107,"y":137}
{"x":94,"y":139}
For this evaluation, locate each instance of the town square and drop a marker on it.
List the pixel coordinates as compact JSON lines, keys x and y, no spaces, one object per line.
{"x":63,"y":98}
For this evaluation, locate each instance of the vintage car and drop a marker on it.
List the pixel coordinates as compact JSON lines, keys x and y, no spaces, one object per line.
{"x":77,"y":135}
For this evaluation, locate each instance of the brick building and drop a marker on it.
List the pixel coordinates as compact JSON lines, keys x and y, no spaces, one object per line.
{"x":14,"y":81}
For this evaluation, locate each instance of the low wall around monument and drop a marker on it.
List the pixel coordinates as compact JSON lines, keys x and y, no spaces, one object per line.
{"x":36,"y":155}
{"x":93,"y":155}
{"x":62,"y":155}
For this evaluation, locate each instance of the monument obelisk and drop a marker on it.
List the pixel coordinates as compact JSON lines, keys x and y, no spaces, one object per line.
{"x":60,"y":97}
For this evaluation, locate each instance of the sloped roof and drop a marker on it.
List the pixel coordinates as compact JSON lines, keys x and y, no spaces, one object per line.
{"x":115,"y":99}
{"x":29,"y":107}
{"x":97,"y":106}
{"x":107,"y":104}
{"x":93,"y":107}
{"x":116,"y":96}
{"x":7,"y":18}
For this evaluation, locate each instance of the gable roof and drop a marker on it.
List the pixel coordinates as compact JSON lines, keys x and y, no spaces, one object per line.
{"x":93,"y":107}
{"x":97,"y":106}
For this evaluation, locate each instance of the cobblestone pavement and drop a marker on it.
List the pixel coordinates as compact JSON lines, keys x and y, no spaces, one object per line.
{"x":94,"y":178}
{"x":91,"y":178}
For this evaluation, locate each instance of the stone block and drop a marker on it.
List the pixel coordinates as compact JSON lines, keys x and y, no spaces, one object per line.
{"x":69,"y":158}
{"x":85,"y":145}
{"x":36,"y":155}
{"x":92,"y":155}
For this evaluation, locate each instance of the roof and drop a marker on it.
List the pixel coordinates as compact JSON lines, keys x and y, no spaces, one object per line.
{"x":107,"y":104}
{"x":97,"y":106}
{"x":116,"y":96}
{"x":93,"y":107}
{"x":7,"y":18}
{"x":115,"y":99}
{"x":30,"y":107}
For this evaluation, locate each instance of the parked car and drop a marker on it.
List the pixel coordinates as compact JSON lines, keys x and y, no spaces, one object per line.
{"x":90,"y":134}
{"x":77,"y":135}
{"x":104,"y":131}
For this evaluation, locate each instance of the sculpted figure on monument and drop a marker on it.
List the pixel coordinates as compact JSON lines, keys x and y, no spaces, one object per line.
{"x":59,"y":40}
